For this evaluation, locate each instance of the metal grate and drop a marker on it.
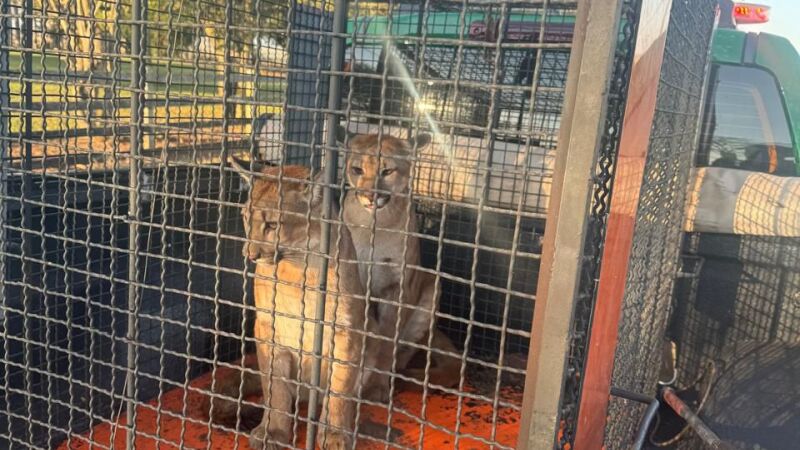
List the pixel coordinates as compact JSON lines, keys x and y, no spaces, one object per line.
{"x":740,"y":300}
{"x":657,"y":236}
{"x":126,"y":299}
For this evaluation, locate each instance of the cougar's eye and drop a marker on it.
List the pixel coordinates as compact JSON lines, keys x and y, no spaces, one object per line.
{"x":387,"y":172}
{"x":357,"y":170}
{"x":268,"y":226}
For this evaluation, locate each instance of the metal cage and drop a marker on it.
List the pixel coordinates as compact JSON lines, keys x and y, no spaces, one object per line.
{"x":126,"y":298}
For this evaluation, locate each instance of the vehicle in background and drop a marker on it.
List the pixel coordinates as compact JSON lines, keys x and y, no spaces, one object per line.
{"x":752,"y":113}
{"x":735,"y":317}
{"x":470,"y":63}
{"x":751,"y":120}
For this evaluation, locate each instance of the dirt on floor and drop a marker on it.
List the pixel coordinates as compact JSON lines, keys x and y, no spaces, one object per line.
{"x":179,"y":418}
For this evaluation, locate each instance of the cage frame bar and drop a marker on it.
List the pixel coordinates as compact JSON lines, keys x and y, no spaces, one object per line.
{"x":589,"y":72}
{"x":629,"y":174}
{"x":329,"y":179}
{"x":138,"y":101}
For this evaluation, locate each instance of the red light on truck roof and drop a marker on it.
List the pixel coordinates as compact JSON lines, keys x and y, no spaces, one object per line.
{"x":746,"y":13}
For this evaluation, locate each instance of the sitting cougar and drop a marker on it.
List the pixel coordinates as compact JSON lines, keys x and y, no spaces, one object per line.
{"x":379,"y":174}
{"x":278,"y":233}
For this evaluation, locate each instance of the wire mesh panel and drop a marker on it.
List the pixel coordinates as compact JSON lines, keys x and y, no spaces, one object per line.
{"x":657,"y":237}
{"x":756,"y":307}
{"x":737,"y":309}
{"x":174,"y":200}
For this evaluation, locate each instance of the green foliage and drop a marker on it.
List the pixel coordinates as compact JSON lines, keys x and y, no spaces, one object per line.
{"x":171,"y":29}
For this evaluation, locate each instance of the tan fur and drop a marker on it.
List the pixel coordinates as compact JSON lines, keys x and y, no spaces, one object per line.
{"x":280,"y":330}
{"x":379,"y":174}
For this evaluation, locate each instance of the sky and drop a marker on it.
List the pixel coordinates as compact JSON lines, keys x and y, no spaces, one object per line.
{"x":783,"y":20}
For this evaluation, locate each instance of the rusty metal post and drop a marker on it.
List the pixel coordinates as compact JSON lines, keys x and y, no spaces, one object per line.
{"x":682,"y":409}
{"x":589,"y":76}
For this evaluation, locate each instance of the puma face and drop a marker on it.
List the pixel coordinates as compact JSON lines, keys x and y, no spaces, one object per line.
{"x":379,"y":171}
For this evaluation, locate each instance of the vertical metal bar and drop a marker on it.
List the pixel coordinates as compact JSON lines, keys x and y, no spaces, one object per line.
{"x":167,"y":201}
{"x":92,"y":322}
{"x":4,"y":88}
{"x":644,"y":426}
{"x":589,"y":75}
{"x":515,"y":240}
{"x":27,"y":156}
{"x":114,"y":231}
{"x":221,"y":195}
{"x":455,"y":90}
{"x":25,"y":207}
{"x":491,"y":131}
{"x":193,"y":188}
{"x":5,"y":135}
{"x":331,"y":163}
{"x":148,"y":119}
{"x":5,"y":132}
{"x":27,"y":56}
{"x":137,"y":101}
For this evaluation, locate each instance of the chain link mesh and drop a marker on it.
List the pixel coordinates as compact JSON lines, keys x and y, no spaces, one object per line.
{"x":657,"y":236}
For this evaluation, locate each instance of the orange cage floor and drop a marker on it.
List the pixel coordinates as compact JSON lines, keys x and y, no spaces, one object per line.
{"x":162,"y":423}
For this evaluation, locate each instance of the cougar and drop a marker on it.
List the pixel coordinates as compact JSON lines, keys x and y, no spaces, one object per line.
{"x":378,"y":174}
{"x":278,"y":232}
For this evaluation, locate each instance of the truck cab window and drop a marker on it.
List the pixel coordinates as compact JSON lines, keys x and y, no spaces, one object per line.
{"x":745,"y":124}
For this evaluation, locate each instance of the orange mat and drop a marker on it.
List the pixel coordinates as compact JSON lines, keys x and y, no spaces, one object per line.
{"x":178,"y":419}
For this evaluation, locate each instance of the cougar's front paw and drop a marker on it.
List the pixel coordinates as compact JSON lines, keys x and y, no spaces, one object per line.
{"x":334,"y":440}
{"x":259,"y":437}
{"x":378,"y":391}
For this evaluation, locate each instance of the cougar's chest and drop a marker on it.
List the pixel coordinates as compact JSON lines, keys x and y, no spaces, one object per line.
{"x":381,"y":257}
{"x":381,"y":266}
{"x":385,"y":259}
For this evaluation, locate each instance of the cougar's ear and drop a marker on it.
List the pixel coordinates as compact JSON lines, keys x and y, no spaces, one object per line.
{"x":242,"y":167}
{"x":420,"y":141}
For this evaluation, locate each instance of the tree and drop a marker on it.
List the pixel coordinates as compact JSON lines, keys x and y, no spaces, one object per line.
{"x":89,"y":25}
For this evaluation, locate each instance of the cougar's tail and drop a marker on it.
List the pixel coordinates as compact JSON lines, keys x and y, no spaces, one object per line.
{"x":224,"y":407}
{"x":444,"y":369}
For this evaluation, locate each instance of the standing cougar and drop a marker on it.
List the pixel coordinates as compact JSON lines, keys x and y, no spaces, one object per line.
{"x":279,"y":228}
{"x":379,"y":174}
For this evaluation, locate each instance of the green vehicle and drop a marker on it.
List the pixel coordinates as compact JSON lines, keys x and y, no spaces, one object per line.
{"x":752,"y":115}
{"x":751,"y":120}
{"x":737,"y":310}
